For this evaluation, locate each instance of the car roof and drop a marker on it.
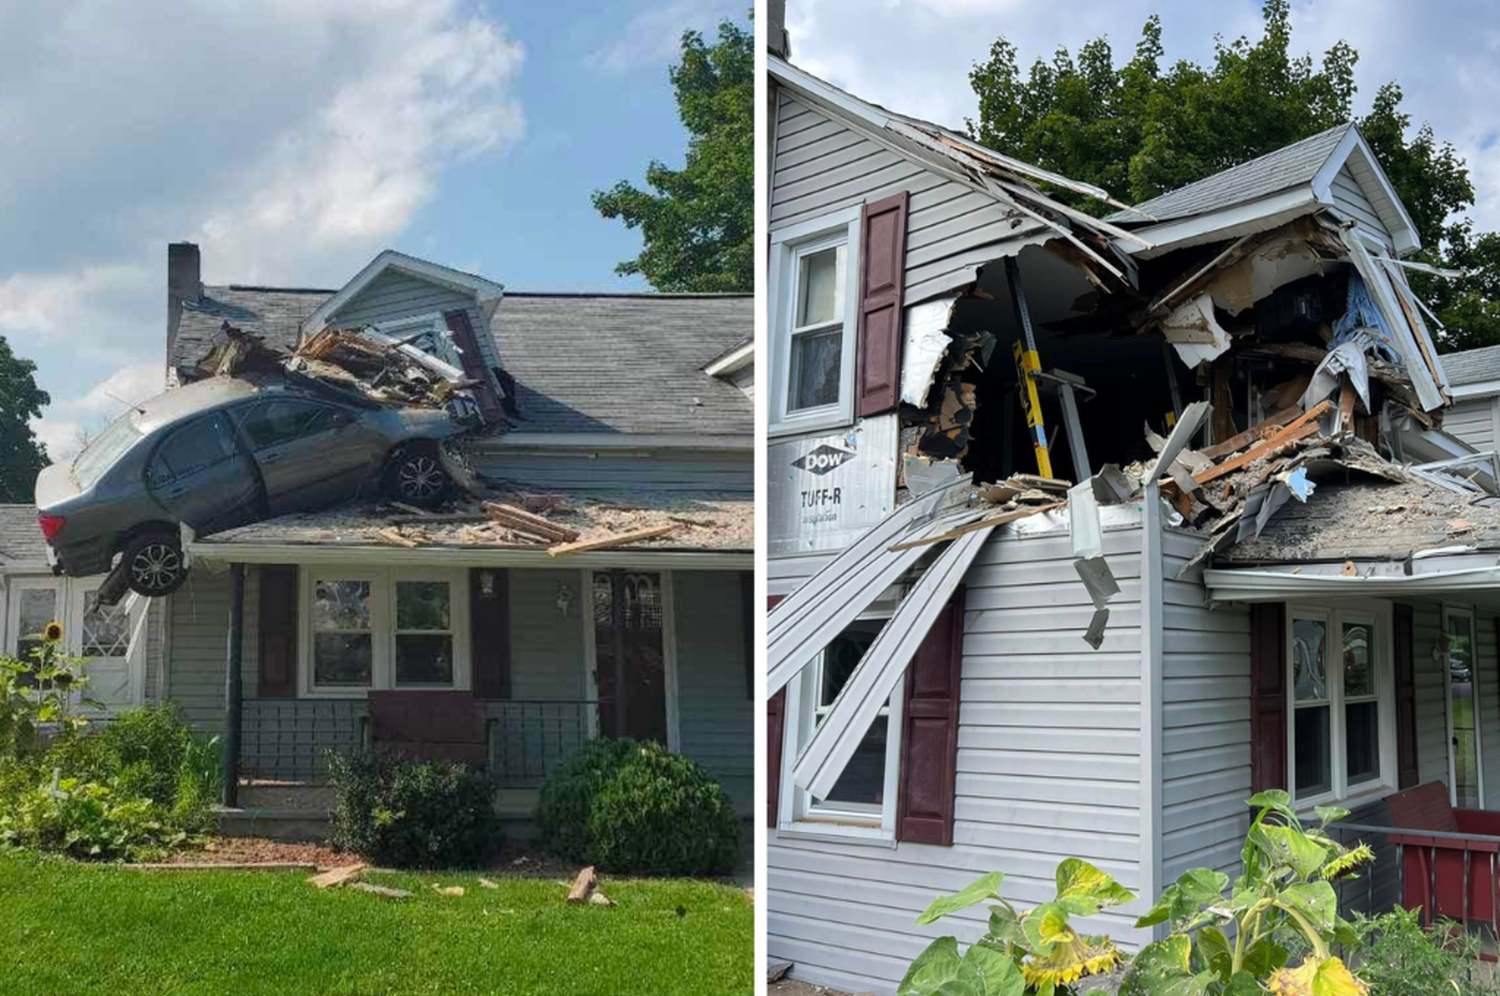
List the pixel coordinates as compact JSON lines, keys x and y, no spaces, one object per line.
{"x":195,"y":398}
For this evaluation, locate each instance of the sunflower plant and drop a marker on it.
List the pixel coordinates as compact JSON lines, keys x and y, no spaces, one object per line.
{"x":1238,"y":940}
{"x":1034,"y":951}
{"x":44,"y":689}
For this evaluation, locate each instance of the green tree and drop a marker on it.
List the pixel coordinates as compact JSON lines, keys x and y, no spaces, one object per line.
{"x":21,"y":456}
{"x":1139,"y":129}
{"x":698,"y":223}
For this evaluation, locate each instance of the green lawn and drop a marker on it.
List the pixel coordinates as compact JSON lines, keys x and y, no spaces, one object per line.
{"x":83,"y":929}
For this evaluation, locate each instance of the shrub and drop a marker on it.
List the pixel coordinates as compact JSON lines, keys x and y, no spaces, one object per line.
{"x":567,"y":798}
{"x":124,"y":789}
{"x":412,"y":814}
{"x":1398,"y":957}
{"x":628,"y":806}
{"x":86,"y":820}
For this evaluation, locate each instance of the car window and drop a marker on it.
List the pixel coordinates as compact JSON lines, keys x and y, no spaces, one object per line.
{"x":271,"y":423}
{"x":104,"y":449}
{"x":195,"y":446}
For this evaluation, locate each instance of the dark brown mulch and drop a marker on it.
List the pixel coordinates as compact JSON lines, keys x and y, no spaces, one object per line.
{"x":258,"y":850}
{"x":519,"y":860}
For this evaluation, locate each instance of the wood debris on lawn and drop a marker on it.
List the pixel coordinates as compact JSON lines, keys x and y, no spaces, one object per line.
{"x":583,"y":886}
{"x":337,"y":876}
{"x":486,"y":883}
{"x":450,"y":891}
{"x":384,"y":891}
{"x":600,"y":899}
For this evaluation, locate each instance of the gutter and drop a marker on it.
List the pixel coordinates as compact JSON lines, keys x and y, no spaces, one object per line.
{"x":433,"y":556}
{"x":612,"y":442}
{"x":1278,"y":585}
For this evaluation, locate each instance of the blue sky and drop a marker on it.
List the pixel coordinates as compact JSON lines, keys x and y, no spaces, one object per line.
{"x":294,"y":139}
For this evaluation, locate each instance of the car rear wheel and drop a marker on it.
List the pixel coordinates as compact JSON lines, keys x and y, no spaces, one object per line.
{"x":417,"y":477}
{"x":153,"y":564}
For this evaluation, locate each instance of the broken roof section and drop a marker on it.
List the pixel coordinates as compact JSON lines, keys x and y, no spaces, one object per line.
{"x":503,"y":522}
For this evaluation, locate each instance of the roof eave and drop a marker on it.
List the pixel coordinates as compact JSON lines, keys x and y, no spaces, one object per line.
{"x":1226,"y":223}
{"x":435,"y":556}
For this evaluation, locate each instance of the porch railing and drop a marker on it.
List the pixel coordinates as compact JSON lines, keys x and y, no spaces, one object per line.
{"x":289,"y":739}
{"x":527,"y":739}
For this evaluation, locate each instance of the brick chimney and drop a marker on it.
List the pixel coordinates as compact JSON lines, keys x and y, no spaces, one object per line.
{"x":184,"y":283}
{"x":777,"y":40}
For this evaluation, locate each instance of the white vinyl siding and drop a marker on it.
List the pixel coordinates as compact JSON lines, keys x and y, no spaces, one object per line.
{"x":1473,"y":420}
{"x":1205,"y":720}
{"x":1049,"y":766}
{"x":822,"y":165}
{"x":1350,"y":198}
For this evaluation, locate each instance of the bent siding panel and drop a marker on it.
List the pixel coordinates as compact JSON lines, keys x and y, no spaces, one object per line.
{"x":1205,"y":721}
{"x":1048,"y":766}
{"x":822,"y":166}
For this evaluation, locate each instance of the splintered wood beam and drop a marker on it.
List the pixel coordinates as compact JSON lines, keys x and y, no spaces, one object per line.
{"x":993,"y":520}
{"x":1303,"y":427}
{"x":605,"y":542}
{"x":583,"y":885}
{"x":391,"y":536}
{"x":1256,"y":432}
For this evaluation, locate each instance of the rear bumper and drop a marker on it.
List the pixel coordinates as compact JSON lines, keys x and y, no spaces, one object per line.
{"x":80,"y":560}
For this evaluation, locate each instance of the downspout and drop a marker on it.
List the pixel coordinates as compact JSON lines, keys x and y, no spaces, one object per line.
{"x":1152,"y":591}
{"x":233,"y":689}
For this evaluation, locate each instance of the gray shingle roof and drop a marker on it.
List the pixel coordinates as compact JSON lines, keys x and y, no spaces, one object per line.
{"x":624,"y":363}
{"x":20,"y":537}
{"x":1271,"y":173}
{"x":1472,"y":366}
{"x":582,"y":362}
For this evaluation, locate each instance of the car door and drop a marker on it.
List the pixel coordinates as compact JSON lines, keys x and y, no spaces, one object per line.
{"x":201,"y":475}
{"x":310,"y":454}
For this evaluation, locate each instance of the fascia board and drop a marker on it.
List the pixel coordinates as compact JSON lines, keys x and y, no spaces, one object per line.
{"x":1475,"y":390}
{"x":314,"y":554}
{"x":1228,"y":223}
{"x":610,"y":441}
{"x":1276,"y":585}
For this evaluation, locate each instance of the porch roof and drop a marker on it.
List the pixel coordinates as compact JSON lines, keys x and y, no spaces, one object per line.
{"x":1371,"y":520}
{"x":705,"y":525}
{"x":21,"y":539}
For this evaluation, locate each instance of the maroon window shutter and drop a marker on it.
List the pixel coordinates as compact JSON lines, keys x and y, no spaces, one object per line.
{"x":1404,"y":644}
{"x":882,"y":266}
{"x":747,"y":629}
{"x":472,"y":358}
{"x":489,"y":631}
{"x":929,"y":731}
{"x":775,"y":723}
{"x":278,"y":631}
{"x":1268,"y":760}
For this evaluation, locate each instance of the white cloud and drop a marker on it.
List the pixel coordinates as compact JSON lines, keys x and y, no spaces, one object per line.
{"x":653,"y":37}
{"x":292,"y":139}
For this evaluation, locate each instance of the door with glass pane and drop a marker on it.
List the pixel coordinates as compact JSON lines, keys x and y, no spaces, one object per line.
{"x":1465,"y":775}
{"x":32,"y":605}
{"x":101,"y":635}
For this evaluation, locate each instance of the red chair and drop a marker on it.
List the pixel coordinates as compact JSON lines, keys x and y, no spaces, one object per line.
{"x":1450,"y":858}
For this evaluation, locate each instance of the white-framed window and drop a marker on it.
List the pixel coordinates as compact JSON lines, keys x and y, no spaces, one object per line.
{"x":383,"y":628}
{"x":814,"y":290}
{"x":1340,"y":701}
{"x":862,"y":802}
{"x":428,"y":332}
{"x":1461,"y":688}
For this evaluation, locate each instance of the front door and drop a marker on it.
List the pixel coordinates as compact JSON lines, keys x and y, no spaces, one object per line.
{"x":630,"y":660}
{"x":102,"y":636}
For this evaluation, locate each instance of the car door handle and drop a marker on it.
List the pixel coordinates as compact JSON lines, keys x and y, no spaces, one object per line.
{"x":270,"y":457}
{"x":176,"y":491}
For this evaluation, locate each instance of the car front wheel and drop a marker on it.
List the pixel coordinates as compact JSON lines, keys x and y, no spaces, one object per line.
{"x":417,"y":477}
{"x":153,"y":564}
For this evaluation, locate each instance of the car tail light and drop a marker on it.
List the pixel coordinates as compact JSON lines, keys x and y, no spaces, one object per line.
{"x":51,"y":524}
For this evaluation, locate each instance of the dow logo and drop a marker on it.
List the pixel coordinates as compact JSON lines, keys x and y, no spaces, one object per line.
{"x":823,"y":459}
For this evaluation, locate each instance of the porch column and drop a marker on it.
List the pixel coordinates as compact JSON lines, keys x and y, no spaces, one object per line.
{"x":233,"y":689}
